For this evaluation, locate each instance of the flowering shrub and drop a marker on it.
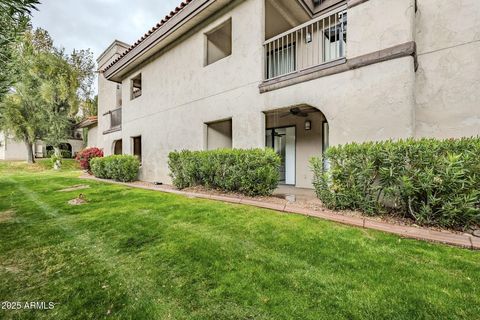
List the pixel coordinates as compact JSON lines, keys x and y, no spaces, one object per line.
{"x":84,"y":156}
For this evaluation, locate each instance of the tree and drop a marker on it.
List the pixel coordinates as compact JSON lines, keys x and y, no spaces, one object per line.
{"x":19,"y":117}
{"x":46,"y":95}
{"x":14,"y":18}
{"x":90,"y":107}
{"x":21,"y":112}
{"x":59,"y":83}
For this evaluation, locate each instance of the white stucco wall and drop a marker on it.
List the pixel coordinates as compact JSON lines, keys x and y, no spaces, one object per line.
{"x":376,"y":102}
{"x":379,"y":24}
{"x":92,"y":137}
{"x":107,"y":101}
{"x":77,"y":145}
{"x":14,"y":150}
{"x":448,"y":78}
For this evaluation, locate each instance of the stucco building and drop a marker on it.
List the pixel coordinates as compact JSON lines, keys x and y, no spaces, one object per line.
{"x":294,"y":75}
{"x":14,"y":150}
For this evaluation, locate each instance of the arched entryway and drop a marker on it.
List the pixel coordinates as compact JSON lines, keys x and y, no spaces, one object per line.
{"x":297,"y":133}
{"x":65,"y":148}
{"x":118,"y":147}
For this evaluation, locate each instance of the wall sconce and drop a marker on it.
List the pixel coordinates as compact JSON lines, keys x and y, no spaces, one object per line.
{"x":308,"y":37}
{"x":308,"y":125}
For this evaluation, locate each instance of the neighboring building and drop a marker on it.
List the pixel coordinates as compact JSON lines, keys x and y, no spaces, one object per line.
{"x":13,"y":150}
{"x":295,"y":75}
{"x":91,"y":124}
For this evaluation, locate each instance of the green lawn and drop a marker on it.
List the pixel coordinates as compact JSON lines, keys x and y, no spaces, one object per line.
{"x":137,"y":254}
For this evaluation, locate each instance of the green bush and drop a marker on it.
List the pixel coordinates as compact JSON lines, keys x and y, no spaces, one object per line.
{"x":122,"y":168}
{"x":252,"y":172}
{"x":431,"y":181}
{"x":98,"y":168}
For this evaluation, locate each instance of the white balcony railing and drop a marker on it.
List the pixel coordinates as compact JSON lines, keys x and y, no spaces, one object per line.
{"x":314,"y":43}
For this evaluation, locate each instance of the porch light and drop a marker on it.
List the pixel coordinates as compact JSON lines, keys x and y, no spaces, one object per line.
{"x":308,"y":37}
{"x":308,"y":125}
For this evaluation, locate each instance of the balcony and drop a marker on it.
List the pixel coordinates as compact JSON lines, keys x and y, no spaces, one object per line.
{"x":115,"y":120}
{"x":318,"y":42}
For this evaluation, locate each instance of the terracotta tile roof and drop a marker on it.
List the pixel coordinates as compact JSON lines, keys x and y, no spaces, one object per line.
{"x":88,"y":121}
{"x":146,"y":35}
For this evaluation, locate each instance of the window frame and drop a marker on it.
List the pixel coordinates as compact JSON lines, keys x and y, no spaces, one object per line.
{"x":140,"y":157}
{"x":206,"y":41}
{"x":132,"y":81}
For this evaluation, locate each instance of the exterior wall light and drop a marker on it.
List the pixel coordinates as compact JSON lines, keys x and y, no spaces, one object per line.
{"x":308,"y":37}
{"x":308,"y":125}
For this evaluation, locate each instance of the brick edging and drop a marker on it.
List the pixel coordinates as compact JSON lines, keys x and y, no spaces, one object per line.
{"x":417,"y":233}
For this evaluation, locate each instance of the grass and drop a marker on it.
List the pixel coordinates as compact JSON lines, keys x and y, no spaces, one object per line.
{"x":137,"y":254}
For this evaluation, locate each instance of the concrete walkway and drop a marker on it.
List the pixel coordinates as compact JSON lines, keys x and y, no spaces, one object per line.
{"x":446,"y":237}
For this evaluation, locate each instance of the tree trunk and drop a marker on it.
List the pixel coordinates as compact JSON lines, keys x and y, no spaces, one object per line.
{"x":58,"y":158}
{"x":30,"y":157}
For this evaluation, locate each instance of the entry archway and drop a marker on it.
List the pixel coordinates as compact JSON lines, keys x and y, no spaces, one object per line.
{"x":296,"y":133}
{"x":118,"y":147}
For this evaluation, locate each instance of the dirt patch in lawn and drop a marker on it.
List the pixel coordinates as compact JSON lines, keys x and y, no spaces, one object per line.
{"x":12,"y":269}
{"x":78,"y":201}
{"x":75,"y":188}
{"x":7,"y":216}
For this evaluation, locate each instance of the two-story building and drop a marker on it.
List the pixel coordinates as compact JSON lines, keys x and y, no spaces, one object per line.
{"x":293,"y":75}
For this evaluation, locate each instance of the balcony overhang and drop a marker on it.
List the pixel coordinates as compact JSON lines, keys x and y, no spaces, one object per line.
{"x":179,"y":25}
{"x":314,"y":10}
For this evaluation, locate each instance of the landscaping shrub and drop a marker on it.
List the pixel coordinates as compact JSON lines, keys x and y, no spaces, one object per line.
{"x":98,"y":168}
{"x":84,"y":157}
{"x":252,"y":172}
{"x":431,"y":181}
{"x":122,"y":168}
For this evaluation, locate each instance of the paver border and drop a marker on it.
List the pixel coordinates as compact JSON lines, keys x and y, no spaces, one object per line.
{"x":418,"y":233}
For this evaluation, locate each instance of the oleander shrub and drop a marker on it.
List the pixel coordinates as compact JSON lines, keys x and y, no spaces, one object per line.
{"x":434,"y":182}
{"x":84,"y":157}
{"x":122,"y":168}
{"x":252,"y":172}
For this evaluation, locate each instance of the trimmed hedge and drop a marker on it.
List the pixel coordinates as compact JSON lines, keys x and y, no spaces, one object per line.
{"x":431,"y":181}
{"x":122,"y":168}
{"x":252,"y":172}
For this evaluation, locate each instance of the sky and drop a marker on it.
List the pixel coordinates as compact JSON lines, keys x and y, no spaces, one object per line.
{"x":94,"y":24}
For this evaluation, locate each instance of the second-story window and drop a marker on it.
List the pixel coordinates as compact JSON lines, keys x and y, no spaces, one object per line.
{"x":136,"y":87}
{"x":219,"y":43}
{"x":118,"y":96}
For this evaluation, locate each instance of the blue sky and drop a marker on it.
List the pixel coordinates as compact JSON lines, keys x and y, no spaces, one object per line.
{"x":95,"y":24}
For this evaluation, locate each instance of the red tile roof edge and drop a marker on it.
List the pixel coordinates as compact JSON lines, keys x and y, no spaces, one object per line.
{"x":182,"y":5}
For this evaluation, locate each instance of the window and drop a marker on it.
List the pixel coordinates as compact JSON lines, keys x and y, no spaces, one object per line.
{"x":136,"y":87}
{"x":137,"y":147}
{"x":219,"y":135}
{"x":117,"y":147}
{"x":281,"y":61}
{"x":219,"y":43}
{"x":119,"y":96}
